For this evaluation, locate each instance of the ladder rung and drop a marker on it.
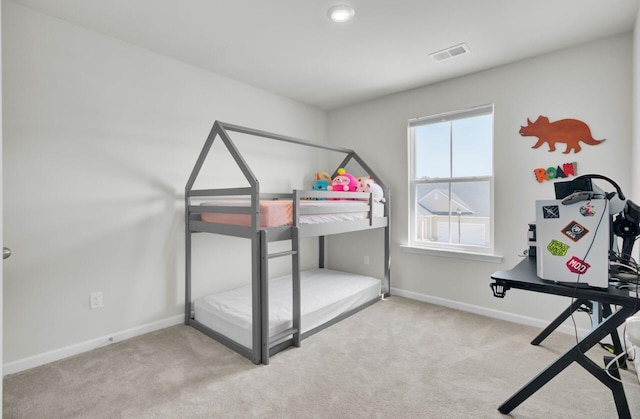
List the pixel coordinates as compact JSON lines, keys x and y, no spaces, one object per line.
{"x":283,"y":334}
{"x":280,"y":254}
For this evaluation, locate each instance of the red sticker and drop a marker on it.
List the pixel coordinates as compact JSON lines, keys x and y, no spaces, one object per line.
{"x":577,"y":266}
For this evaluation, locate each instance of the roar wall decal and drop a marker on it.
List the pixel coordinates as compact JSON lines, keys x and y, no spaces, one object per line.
{"x":567,"y":131}
{"x":561,"y":171}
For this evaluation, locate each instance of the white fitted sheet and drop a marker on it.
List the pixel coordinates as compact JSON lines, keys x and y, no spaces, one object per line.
{"x":325,"y":294}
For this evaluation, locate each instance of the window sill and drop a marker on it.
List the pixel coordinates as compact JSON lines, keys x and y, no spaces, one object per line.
{"x":448,"y":253}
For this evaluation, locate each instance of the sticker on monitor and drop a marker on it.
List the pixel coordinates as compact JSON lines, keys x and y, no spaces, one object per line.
{"x":575,"y":231}
{"x":587,"y":210}
{"x":577,"y":266}
{"x":557,"y":248}
{"x":550,"y":211}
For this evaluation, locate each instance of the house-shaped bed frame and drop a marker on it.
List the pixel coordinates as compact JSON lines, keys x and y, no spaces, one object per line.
{"x":264,"y":345}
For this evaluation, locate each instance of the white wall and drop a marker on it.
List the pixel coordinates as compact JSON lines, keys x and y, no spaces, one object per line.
{"x":1,"y":227}
{"x":635,"y":149}
{"x":589,"y":82}
{"x":99,"y":140}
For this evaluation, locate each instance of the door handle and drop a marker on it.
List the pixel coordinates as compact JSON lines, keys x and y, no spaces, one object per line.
{"x":6,"y":252}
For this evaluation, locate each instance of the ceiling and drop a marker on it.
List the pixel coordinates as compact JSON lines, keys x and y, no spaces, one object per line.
{"x":290,"y":48}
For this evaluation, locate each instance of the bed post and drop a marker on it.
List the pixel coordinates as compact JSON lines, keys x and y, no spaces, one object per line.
{"x":387,"y":246}
{"x":259,"y":252}
{"x":187,"y":265}
{"x":296,"y":306}
{"x":321,"y":252}
{"x":263,"y":309}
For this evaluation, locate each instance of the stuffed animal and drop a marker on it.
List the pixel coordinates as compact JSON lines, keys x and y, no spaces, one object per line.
{"x":361,"y":181}
{"x":343,"y":182}
{"x":321,"y":183}
{"x":366,"y":184}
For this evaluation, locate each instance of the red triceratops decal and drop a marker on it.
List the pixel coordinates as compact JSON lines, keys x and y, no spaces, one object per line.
{"x":568,"y":131}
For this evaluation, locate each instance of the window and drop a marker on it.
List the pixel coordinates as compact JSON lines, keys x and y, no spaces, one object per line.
{"x":451,"y":181}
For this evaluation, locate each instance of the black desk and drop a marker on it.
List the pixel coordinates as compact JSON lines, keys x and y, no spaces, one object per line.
{"x":524,"y":276}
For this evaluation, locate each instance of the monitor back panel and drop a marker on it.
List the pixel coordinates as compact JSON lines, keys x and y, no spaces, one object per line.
{"x":573,"y":241}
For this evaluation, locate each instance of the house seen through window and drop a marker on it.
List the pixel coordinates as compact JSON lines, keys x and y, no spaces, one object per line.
{"x":451,"y":180}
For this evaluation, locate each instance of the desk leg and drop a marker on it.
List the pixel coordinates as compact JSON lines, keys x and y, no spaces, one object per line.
{"x":558,"y":321}
{"x":605,"y":328}
{"x":615,"y":338}
{"x":615,"y":386}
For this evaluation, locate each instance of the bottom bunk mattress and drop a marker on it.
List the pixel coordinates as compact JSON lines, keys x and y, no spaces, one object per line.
{"x":325,"y":294}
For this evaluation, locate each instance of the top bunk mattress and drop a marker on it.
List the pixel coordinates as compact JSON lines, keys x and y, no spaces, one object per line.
{"x":280,"y":212}
{"x":325,"y":294}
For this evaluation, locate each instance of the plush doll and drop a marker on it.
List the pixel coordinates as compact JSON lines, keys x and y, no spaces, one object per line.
{"x":366,"y":184}
{"x":343,"y":182}
{"x":321,"y":183}
{"x":361,"y":185}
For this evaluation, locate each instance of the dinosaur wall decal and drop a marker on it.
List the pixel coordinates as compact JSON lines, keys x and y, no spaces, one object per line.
{"x":567,"y":131}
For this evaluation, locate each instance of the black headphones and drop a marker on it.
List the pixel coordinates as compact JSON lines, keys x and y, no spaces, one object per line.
{"x":626,"y":223}
{"x":622,"y":226}
{"x":625,"y":228}
{"x":611,"y":181}
{"x":615,"y":205}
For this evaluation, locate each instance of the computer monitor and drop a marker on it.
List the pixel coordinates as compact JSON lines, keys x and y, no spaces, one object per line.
{"x":564,"y":189}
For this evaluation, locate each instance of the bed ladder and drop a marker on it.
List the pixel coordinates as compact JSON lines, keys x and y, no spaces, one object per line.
{"x":279,"y":340}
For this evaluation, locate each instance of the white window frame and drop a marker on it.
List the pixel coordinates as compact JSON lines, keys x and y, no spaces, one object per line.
{"x":485,"y":253}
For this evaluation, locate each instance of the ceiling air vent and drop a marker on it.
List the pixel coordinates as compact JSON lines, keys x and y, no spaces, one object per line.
{"x":450,"y":52}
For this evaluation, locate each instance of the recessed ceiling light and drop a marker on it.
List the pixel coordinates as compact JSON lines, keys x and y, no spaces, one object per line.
{"x":341,"y":14}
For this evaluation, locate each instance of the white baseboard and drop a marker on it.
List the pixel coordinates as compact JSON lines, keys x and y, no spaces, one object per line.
{"x":57,"y":354}
{"x":483,"y":311}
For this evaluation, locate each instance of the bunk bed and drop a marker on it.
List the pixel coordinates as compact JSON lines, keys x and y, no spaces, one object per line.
{"x":269,"y":315}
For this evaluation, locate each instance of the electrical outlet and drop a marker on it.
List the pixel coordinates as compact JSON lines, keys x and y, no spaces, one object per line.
{"x":366,"y":260}
{"x":95,"y":299}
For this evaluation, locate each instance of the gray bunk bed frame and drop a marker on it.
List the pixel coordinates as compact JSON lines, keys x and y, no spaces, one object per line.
{"x":264,"y":346}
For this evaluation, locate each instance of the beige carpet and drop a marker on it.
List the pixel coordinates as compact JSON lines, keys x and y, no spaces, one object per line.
{"x":397,"y":359}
